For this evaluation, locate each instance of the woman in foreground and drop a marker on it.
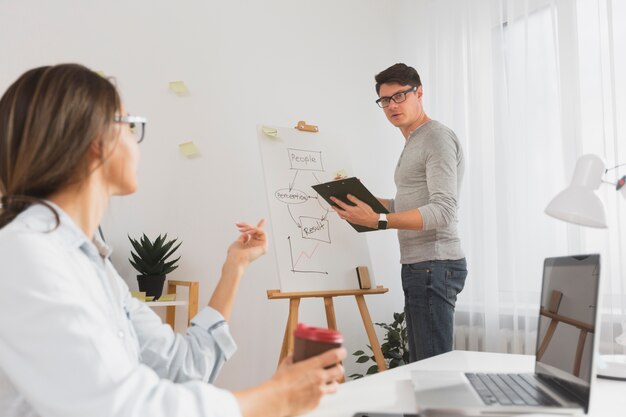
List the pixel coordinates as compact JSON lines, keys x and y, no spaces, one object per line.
{"x":73,"y":342}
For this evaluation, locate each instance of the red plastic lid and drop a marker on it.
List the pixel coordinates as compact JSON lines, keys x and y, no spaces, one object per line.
{"x":318,"y":334}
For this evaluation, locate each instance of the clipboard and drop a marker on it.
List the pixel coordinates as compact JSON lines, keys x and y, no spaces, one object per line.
{"x":341,"y":188}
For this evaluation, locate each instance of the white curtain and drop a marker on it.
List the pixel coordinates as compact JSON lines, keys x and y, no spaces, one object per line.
{"x":528,"y":86}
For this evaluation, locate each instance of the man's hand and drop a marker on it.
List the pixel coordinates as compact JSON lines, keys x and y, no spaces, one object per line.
{"x":361,"y":214}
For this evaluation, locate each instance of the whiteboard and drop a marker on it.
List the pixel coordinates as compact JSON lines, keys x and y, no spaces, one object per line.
{"x":315,"y":250}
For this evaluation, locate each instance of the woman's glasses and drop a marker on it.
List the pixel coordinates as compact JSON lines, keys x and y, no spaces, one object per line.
{"x":137,"y":125}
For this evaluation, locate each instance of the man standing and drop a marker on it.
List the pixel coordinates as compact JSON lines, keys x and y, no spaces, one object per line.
{"x":428,"y":180}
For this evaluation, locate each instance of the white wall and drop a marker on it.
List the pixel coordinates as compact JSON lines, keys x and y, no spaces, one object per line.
{"x":245,"y":63}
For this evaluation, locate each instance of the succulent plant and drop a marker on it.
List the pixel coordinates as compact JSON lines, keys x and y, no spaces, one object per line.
{"x":151,"y":257}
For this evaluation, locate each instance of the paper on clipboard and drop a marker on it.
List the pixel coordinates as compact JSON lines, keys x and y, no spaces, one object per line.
{"x":341,"y":188}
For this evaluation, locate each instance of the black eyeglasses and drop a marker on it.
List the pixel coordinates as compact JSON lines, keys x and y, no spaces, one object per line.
{"x":397,"y":98}
{"x":137,"y":125}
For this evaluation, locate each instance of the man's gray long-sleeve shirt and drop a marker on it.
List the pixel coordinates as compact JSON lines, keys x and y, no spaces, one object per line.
{"x":428,"y":176}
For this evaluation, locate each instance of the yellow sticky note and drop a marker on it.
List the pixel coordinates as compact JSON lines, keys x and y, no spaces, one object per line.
{"x":140,"y":295}
{"x":189,"y":149}
{"x":270,"y":131}
{"x":168,"y":297}
{"x":101,"y":73}
{"x":178,"y":87}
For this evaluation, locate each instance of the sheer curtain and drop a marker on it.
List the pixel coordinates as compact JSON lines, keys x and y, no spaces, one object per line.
{"x":528,"y":86}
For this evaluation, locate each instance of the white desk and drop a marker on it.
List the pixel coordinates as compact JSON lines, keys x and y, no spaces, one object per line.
{"x":392,"y":391}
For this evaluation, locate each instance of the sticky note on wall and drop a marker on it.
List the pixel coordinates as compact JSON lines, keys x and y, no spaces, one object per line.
{"x":189,"y":149}
{"x":270,"y":131}
{"x":178,"y":87}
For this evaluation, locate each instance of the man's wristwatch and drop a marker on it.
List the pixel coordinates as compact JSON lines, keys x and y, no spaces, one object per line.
{"x":382,"y":221}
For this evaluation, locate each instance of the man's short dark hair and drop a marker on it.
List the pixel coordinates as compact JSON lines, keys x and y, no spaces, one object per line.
{"x":398,"y":73}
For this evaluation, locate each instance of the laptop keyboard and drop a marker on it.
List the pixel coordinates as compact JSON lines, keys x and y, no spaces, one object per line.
{"x":509,"y":389}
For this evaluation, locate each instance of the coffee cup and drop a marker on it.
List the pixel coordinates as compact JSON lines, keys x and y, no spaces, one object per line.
{"x":311,"y":341}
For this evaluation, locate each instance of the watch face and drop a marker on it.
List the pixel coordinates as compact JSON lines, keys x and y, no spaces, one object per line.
{"x":382,"y":224}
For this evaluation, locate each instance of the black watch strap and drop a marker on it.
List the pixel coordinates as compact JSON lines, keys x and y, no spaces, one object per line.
{"x":382,"y":221}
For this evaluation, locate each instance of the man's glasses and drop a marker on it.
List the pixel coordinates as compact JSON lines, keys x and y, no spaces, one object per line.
{"x":397,"y":98}
{"x":137,"y":125}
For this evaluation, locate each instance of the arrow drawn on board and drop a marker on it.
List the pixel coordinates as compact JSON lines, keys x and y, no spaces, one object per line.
{"x":325,"y":214}
{"x":291,"y":184}
{"x":292,"y":218}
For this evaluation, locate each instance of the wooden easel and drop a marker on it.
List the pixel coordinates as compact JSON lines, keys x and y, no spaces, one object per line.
{"x":294,"y":304}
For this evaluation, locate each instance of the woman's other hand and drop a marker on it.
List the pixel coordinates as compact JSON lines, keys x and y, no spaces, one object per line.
{"x":295,"y":388}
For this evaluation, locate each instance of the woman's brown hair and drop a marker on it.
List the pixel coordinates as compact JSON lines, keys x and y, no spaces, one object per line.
{"x":48,"y":119}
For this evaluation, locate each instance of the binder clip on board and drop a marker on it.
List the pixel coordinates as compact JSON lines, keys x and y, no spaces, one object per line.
{"x":302,"y":126}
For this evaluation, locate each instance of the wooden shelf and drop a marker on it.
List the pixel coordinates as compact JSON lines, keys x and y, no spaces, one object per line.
{"x":166,"y":303}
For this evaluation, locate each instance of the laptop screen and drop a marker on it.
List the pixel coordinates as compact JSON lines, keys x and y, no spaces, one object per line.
{"x":567,"y":318}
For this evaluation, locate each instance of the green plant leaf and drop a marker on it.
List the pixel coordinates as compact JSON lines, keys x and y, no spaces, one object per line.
{"x":171,"y":252}
{"x":169,"y":266}
{"x":356,"y":376}
{"x":394,"y":336}
{"x":394,"y":354}
{"x":137,"y":267}
{"x":138,"y":260}
{"x":145,"y":242}
{"x":363,"y":359}
{"x":141,"y":251}
{"x":168,"y":270}
{"x":359,"y":353}
{"x":372,"y":370}
{"x":158,"y":242}
{"x":159,"y":250}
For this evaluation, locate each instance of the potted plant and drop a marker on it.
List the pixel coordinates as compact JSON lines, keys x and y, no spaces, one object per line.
{"x":395,"y":348}
{"x":151,"y":260}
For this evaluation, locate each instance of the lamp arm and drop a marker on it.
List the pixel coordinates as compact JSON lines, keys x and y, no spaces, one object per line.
{"x":620,"y":183}
{"x":615,"y":167}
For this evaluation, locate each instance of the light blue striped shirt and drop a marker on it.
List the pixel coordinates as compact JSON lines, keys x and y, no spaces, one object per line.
{"x":75,"y":343}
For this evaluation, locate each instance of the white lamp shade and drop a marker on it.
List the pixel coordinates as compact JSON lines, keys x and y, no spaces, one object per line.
{"x":578,"y":203}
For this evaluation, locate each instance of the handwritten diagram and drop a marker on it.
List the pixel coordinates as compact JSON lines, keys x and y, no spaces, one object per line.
{"x":315,"y":250}
{"x":311,"y":227}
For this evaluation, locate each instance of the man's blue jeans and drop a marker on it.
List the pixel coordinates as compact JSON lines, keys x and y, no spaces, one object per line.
{"x":430,"y":290}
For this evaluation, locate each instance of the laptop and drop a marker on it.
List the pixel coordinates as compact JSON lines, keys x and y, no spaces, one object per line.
{"x":564,"y":362}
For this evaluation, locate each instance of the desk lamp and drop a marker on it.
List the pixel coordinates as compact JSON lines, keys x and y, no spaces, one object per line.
{"x":579,"y":204}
